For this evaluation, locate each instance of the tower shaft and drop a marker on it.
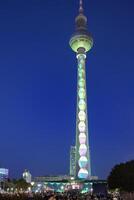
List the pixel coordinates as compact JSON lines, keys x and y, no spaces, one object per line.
{"x":83,"y":168}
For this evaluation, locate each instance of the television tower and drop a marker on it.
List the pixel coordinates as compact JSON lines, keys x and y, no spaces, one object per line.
{"x":81,"y":42}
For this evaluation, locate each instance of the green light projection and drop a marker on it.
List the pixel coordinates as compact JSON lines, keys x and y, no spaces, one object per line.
{"x":83,"y":166}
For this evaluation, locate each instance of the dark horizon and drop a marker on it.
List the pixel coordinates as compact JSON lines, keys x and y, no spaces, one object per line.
{"x":38,"y":85}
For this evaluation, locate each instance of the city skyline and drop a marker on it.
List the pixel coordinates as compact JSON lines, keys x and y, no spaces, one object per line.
{"x":38,"y":85}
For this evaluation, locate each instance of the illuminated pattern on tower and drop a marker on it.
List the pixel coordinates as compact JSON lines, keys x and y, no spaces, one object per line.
{"x":81,"y":42}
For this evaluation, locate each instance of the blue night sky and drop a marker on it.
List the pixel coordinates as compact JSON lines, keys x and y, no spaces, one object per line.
{"x":38,"y":84}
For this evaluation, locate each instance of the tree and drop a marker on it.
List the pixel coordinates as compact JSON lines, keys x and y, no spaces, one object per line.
{"x":122,"y":177}
{"x":21,"y":184}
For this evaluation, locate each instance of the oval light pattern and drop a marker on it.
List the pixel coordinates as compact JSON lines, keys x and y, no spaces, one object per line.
{"x":81,"y":82}
{"x":82,"y":115}
{"x":82,"y":138}
{"x":83,"y":162}
{"x":82,"y":150}
{"x":80,"y":65}
{"x":82,"y":126}
{"x":83,"y":173}
{"x":81,"y":72}
{"x":82,"y":93}
{"x":82,"y":104}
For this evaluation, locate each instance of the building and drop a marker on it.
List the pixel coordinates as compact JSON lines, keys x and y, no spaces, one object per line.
{"x":81,"y":42}
{"x":72,"y":160}
{"x":27,"y":176}
{"x":4,"y":174}
{"x":64,"y":183}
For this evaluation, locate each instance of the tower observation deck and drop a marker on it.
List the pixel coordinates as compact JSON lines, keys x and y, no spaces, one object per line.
{"x":81,"y":42}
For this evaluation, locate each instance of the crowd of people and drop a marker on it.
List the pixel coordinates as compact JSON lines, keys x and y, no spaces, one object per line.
{"x":75,"y":195}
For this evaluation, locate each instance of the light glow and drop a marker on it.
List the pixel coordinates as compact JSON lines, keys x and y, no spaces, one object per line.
{"x":82,"y":116}
{"x":83,"y":150}
{"x":82,"y":104}
{"x":82,"y":127}
{"x":81,"y":82}
{"x":82,"y":138}
{"x":81,"y":73}
{"x":83,"y":161}
{"x":83,"y":173}
{"x":82,"y":93}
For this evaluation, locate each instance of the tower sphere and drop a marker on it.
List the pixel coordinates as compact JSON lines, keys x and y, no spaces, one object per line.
{"x":81,"y":39}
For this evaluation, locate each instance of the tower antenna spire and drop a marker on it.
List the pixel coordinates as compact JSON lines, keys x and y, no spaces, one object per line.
{"x":81,"y":10}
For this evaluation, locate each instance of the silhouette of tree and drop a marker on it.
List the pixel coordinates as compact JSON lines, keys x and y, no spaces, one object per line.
{"x":21,"y":184}
{"x":122,"y":177}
